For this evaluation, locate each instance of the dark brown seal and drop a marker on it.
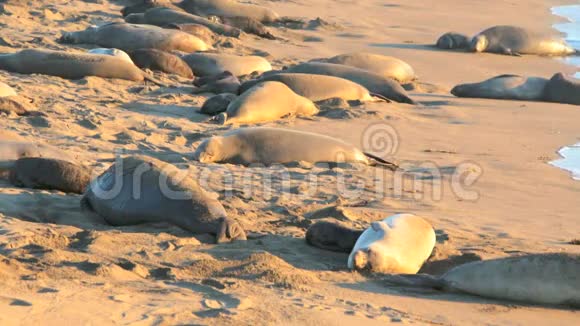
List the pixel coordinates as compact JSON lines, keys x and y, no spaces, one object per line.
{"x":332,"y":236}
{"x":162,"y":61}
{"x":49,"y":174}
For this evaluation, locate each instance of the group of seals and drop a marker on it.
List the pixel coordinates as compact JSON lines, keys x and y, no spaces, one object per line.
{"x":508,"y":40}
{"x":559,"y":89}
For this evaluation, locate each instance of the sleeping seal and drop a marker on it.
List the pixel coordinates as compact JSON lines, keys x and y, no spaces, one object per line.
{"x":550,"y":278}
{"x":505,"y":87}
{"x":224,"y":82}
{"x":137,"y":190}
{"x":141,"y":6}
{"x":452,"y":40}
{"x":563,"y":89}
{"x":269,"y":146}
{"x":207,"y":64}
{"x":316,"y":87}
{"x":383,"y":65}
{"x":217,"y":104}
{"x":375,"y":83}
{"x":512,"y":40}
{"x":43,"y":173}
{"x":332,"y":236}
{"x":268,"y":101}
{"x":113,"y":52}
{"x":11,"y":151}
{"x":162,"y":61}
{"x":70,"y":65}
{"x":398,"y":244}
{"x":229,"y":8}
{"x":129,"y":37}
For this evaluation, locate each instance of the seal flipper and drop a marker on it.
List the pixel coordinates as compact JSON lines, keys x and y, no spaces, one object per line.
{"x":377,"y":161}
{"x":381,"y":97}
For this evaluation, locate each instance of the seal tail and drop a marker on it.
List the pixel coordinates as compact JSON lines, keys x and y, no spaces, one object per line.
{"x":415,"y":280}
{"x":383,"y":163}
{"x":381,"y":97}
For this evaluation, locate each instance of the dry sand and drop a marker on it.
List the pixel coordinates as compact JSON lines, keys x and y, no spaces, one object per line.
{"x":58,"y":264}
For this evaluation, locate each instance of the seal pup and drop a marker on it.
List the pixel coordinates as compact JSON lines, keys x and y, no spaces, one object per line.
{"x":136,"y":190}
{"x":261,"y":145}
{"x":505,"y":87}
{"x":162,"y":61}
{"x":315,"y":87}
{"x":50,"y":174}
{"x":549,"y":278}
{"x":513,"y":40}
{"x":129,"y":37}
{"x":268,"y":101}
{"x":383,"y":65}
{"x":113,"y":52}
{"x":217,"y":104}
{"x":224,"y":82}
{"x":11,"y":151}
{"x":398,"y":244}
{"x":453,"y":40}
{"x":563,"y":89}
{"x":207,"y":64}
{"x":229,"y":8}
{"x":332,"y":236}
{"x":71,"y":65}
{"x":375,"y":83}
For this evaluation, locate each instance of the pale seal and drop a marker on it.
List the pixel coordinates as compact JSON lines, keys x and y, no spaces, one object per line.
{"x":375,"y":83}
{"x":113,"y":52}
{"x":513,"y":40}
{"x":11,"y":151}
{"x":6,"y":91}
{"x":316,"y":87}
{"x":268,"y":101}
{"x":261,"y":145}
{"x":383,"y":65}
{"x":563,"y":89}
{"x":332,"y":236}
{"x":398,"y":244}
{"x":229,"y":8}
{"x":453,"y":40}
{"x":129,"y":37}
{"x":136,"y":190}
{"x":50,"y":174}
{"x":162,"y":61}
{"x":207,"y":64}
{"x":506,"y":87}
{"x":550,"y":278}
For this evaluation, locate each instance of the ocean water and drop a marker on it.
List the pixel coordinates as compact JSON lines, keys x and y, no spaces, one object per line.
{"x":570,"y":160}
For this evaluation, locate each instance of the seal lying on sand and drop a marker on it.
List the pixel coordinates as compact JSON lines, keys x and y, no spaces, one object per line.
{"x":512,"y":40}
{"x":398,"y":244}
{"x":507,"y":87}
{"x":383,"y":65}
{"x":43,"y":173}
{"x":563,"y":89}
{"x":246,"y":24}
{"x":207,"y":64}
{"x":375,"y":83}
{"x":332,"y":236}
{"x":143,"y":5}
{"x":452,"y":40}
{"x":11,"y":151}
{"x":217,"y":104}
{"x":197,"y":30}
{"x":268,"y":146}
{"x":229,"y":8}
{"x":129,"y":37}
{"x":71,"y":65}
{"x":268,"y":101}
{"x":162,"y":194}
{"x":113,"y":52}
{"x":538,"y":278}
{"x":316,"y":87}
{"x":162,"y":61}
{"x":224,"y":82}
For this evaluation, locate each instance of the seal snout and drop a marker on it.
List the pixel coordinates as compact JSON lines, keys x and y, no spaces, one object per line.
{"x":361,"y":259}
{"x":478,"y":43}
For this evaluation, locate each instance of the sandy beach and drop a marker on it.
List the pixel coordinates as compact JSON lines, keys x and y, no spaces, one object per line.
{"x":477,"y":169}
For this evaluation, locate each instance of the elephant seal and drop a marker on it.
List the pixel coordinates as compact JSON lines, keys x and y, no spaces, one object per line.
{"x":512,"y":40}
{"x":162,"y":61}
{"x":452,"y":40}
{"x":113,"y":52}
{"x":198,"y":30}
{"x":6,"y":91}
{"x":224,"y":82}
{"x":398,"y":244}
{"x":206,"y":64}
{"x":550,"y":278}
{"x":229,"y":8}
{"x":261,"y":145}
{"x":505,"y":87}
{"x":129,"y":37}
{"x":246,"y":24}
{"x":50,"y":174}
{"x":142,"y":6}
{"x":316,"y":87}
{"x":217,"y":104}
{"x":136,"y":190}
{"x":268,"y":101}
{"x":563,"y":89}
{"x":383,"y":65}
{"x":71,"y":65}
{"x":375,"y":83}
{"x":11,"y":151}
{"x":332,"y":236}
